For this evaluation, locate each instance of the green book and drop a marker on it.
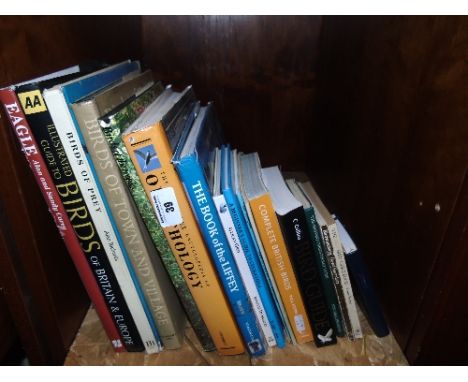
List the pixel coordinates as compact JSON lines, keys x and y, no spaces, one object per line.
{"x":113,"y":124}
{"x":325,"y":275}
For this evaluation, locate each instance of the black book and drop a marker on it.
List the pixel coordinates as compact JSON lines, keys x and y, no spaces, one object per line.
{"x":293,"y":222}
{"x":45,"y":133}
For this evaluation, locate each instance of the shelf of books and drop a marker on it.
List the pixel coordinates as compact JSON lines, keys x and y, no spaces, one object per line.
{"x":191,"y":251}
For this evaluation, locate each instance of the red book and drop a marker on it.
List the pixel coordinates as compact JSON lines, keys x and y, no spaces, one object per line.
{"x":36,"y":163}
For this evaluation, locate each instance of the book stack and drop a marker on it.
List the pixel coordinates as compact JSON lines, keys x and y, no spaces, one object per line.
{"x":165,"y":222}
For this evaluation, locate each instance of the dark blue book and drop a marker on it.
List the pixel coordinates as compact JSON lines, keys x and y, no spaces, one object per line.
{"x":365,"y":293}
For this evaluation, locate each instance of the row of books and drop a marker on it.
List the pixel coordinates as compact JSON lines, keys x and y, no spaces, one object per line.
{"x":165,"y":221}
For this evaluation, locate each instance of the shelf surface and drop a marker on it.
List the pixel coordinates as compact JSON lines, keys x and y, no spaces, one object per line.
{"x":91,"y":347}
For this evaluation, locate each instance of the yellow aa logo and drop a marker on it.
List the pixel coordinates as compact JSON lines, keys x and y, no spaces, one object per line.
{"x":32,"y":102}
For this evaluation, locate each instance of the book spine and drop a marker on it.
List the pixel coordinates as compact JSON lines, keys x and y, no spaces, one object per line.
{"x":165,"y":191}
{"x":251,"y":256}
{"x":87,"y":182}
{"x":356,"y":331}
{"x":327,"y":280}
{"x":275,"y":249}
{"x":244,"y":269}
{"x":169,"y":322}
{"x":112,"y":130}
{"x":197,"y":190}
{"x":266,"y":268}
{"x":299,"y":244}
{"x":331,"y":260}
{"x":45,"y":182}
{"x":366,"y":292}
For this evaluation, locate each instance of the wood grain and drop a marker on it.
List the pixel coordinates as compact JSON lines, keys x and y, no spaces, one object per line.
{"x":393,"y":122}
{"x":373,"y":108}
{"x":258,"y":70}
{"x":90,"y":348}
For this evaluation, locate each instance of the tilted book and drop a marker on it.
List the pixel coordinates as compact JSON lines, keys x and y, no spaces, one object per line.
{"x":192,"y":161}
{"x":275,"y":247}
{"x":59,"y":100}
{"x":113,"y":124}
{"x":336,"y":260}
{"x":238,"y":233}
{"x":157,"y":289}
{"x":320,"y":257}
{"x":293,"y":223}
{"x":149,"y":147}
{"x":45,"y":181}
{"x":221,"y":170}
{"x":364,"y":288}
{"x":257,"y":243}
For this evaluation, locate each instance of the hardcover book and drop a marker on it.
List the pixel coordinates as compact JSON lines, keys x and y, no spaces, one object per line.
{"x":113,"y":124}
{"x":337,"y":261}
{"x":59,"y":100}
{"x":157,"y":289}
{"x":194,"y":162}
{"x":293,"y":223}
{"x":151,"y":151}
{"x":273,"y":242}
{"x":320,"y":257}
{"x":364,"y":288}
{"x":243,"y":245}
{"x":44,"y":176}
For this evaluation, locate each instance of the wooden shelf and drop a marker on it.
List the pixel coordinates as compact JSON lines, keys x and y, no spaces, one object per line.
{"x":91,"y":347}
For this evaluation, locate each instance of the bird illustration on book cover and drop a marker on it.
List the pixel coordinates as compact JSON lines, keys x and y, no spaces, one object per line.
{"x":147,"y":158}
{"x":327,"y":337}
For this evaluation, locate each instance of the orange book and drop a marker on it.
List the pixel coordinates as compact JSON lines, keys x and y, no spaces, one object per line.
{"x":274,"y":246}
{"x":151,"y":152}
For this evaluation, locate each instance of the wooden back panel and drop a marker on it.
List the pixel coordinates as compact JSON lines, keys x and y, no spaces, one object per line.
{"x":392,"y":118}
{"x":258,"y":70}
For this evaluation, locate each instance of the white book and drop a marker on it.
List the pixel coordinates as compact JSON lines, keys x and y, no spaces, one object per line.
{"x":68,"y":134}
{"x":345,"y":281}
{"x":239,"y":255}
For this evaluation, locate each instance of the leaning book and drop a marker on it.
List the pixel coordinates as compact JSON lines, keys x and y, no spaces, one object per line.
{"x":337,"y":262}
{"x":292,"y":219}
{"x":264,"y":217}
{"x":193,"y":160}
{"x":45,"y":176}
{"x":151,"y":150}
{"x":59,"y":100}
{"x":112,"y":125}
{"x":162,"y":301}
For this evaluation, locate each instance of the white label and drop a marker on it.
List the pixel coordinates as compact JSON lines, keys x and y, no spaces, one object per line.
{"x":166,"y":207}
{"x":300,"y":325}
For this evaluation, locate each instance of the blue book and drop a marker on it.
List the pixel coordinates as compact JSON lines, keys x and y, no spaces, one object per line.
{"x":193,"y":161}
{"x":247,"y":243}
{"x":365,"y":293}
{"x":257,"y":245}
{"x":59,"y":100}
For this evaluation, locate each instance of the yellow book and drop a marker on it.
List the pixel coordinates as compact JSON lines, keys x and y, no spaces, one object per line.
{"x":274,"y":246}
{"x":151,"y":152}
